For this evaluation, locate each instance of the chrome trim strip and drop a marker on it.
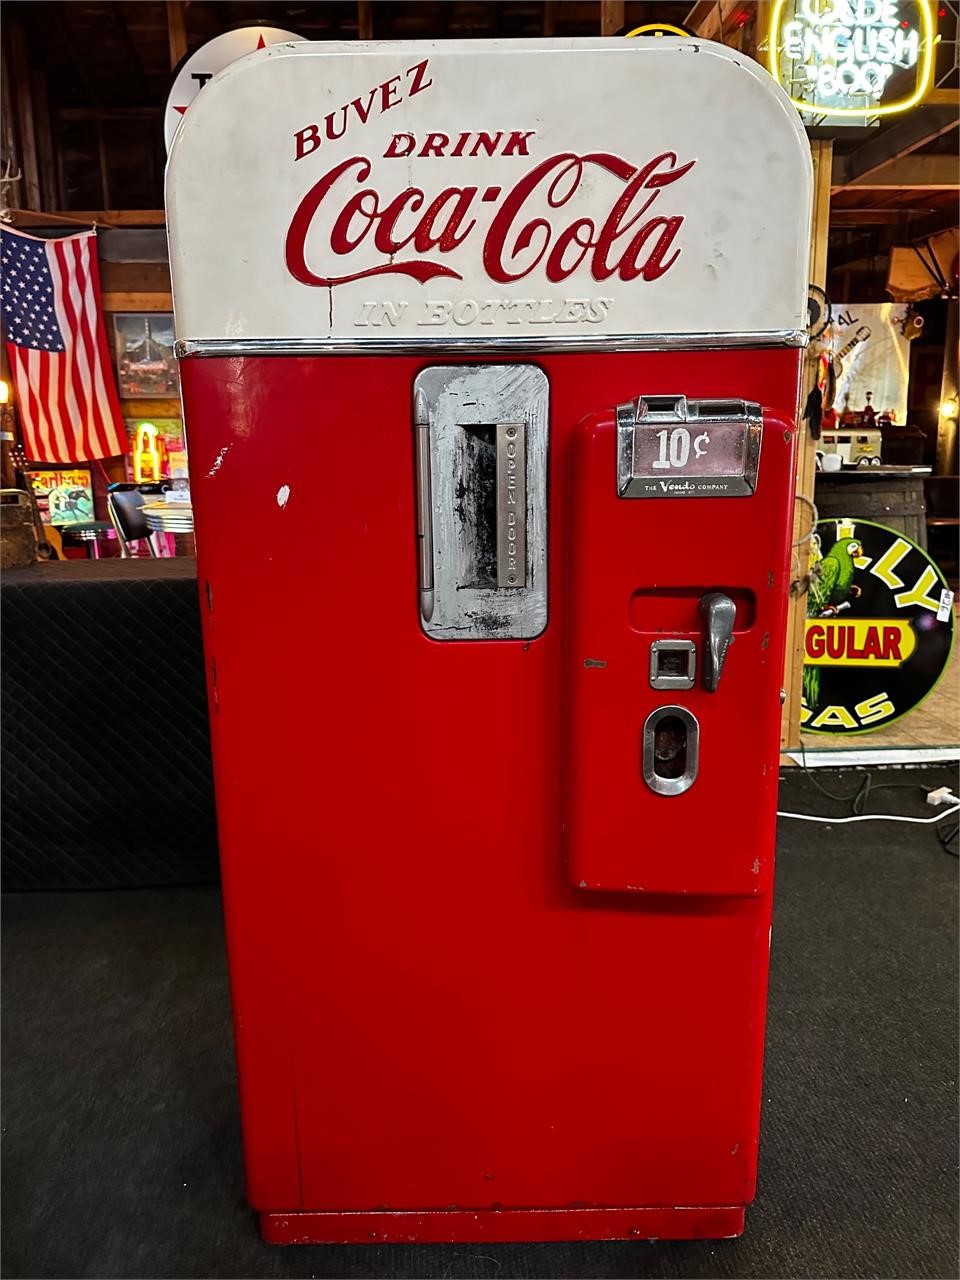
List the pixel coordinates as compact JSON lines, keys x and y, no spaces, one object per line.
{"x":511,"y":504}
{"x":525,"y":344}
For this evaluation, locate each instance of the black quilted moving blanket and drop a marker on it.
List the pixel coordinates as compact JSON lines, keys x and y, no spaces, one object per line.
{"x":105,"y":743}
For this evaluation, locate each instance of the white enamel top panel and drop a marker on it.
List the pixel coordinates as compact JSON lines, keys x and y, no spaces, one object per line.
{"x":345,"y":192}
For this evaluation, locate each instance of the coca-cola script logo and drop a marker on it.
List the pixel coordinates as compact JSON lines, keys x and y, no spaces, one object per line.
{"x":633,"y":240}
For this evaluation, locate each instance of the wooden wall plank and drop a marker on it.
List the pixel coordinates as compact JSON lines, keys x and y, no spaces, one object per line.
{"x":150,"y":409}
{"x":137,"y":301}
{"x":134,"y":277}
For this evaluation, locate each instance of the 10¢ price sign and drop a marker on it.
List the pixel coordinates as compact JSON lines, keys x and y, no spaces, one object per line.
{"x":879,"y":630}
{"x":680,"y":448}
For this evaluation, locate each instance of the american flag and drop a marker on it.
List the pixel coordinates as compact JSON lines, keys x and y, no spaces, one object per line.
{"x":66,"y":394}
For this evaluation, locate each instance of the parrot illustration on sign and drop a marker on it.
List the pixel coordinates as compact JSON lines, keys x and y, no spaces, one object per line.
{"x":831,"y":590}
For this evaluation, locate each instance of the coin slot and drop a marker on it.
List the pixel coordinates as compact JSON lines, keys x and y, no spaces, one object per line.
{"x":673,"y":664}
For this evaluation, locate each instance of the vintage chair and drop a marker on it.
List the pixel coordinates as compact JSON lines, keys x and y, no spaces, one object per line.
{"x":125,"y":506}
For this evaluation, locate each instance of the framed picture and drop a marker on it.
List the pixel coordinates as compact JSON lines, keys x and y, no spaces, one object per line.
{"x":146,"y":368}
{"x":64,"y":495}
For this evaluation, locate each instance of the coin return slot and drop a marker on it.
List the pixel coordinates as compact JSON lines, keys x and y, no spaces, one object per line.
{"x":671,"y":746}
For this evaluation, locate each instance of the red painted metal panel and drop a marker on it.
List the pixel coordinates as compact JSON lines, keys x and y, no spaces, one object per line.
{"x":666,"y":555}
{"x":430,"y":1015}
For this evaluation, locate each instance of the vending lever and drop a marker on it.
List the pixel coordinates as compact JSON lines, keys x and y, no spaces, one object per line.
{"x":719,"y":614}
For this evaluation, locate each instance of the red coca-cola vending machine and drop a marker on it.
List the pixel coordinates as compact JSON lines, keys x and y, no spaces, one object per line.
{"x":490,"y":357}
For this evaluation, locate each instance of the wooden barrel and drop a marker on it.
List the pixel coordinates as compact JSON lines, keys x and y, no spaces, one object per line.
{"x":862,"y":493}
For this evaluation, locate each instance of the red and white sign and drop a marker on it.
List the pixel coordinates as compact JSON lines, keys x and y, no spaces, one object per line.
{"x":205,"y":62}
{"x":621,"y":189}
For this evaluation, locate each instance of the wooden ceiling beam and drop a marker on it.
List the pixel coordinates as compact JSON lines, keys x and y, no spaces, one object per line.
{"x":882,"y":240}
{"x":908,"y":134}
{"x":913,"y":173}
{"x":714,"y":19}
{"x":865,"y":248}
{"x":844,"y":218}
{"x":943,"y":98}
{"x":704,"y":18}
{"x":87,"y":217}
{"x":930,"y":224}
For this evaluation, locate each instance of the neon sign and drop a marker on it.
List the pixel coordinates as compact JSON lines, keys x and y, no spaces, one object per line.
{"x":836,"y":57}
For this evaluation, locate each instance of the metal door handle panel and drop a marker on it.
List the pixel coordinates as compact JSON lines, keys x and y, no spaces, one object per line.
{"x":719,"y":614}
{"x":481,"y":470}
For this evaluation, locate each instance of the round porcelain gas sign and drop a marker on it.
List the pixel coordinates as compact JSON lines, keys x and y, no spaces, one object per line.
{"x":194,"y":72}
{"x":879,"y":628}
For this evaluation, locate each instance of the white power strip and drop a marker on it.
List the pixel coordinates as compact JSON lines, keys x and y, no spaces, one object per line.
{"x":942,"y":795}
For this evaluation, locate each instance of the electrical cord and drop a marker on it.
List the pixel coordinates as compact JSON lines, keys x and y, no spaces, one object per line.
{"x":857,"y":799}
{"x":802,"y":583}
{"x":814,"y":519}
{"x":869,"y":817}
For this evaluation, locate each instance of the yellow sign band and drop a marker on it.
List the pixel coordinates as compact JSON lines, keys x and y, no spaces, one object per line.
{"x":858,"y":642}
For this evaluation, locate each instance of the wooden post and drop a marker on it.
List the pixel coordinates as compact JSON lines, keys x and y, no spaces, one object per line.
{"x":946,"y":464}
{"x":104,"y":166}
{"x":757,"y":32}
{"x":611,"y":16}
{"x":12,"y":193}
{"x":28,"y":143}
{"x":806,"y":462}
{"x":549,"y":17}
{"x":49,"y":184}
{"x":365,"y":19}
{"x":176,"y":32}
